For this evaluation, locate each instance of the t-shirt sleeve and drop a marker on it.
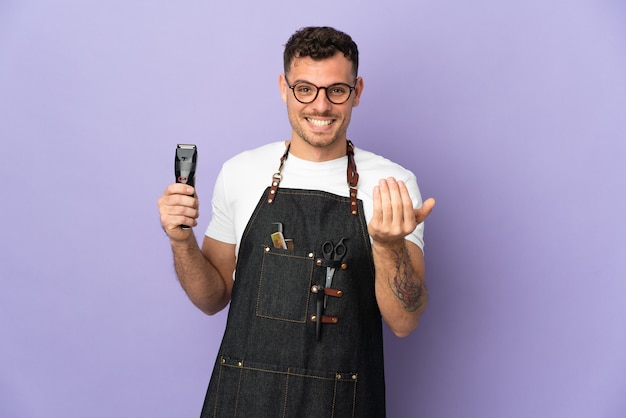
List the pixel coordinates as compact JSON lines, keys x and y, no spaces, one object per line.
{"x":221,"y":226}
{"x":417,"y":236}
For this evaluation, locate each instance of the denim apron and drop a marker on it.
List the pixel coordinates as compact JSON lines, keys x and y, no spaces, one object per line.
{"x":283,"y":353}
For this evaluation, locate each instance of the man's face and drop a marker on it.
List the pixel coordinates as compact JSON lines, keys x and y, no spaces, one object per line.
{"x":320,"y":123}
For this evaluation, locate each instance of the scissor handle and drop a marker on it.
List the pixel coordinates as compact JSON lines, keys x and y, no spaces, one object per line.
{"x":340,"y":250}
{"x":332,"y":251}
{"x":327,"y":249}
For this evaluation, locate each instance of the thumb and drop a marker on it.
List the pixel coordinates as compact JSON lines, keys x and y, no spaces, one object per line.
{"x":422,"y":213}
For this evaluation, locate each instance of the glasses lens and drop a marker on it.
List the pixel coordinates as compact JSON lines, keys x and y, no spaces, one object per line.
{"x":305,"y":92}
{"x":338,"y":93}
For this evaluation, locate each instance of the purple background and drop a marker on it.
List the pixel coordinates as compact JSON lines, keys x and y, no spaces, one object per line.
{"x":512,"y":114}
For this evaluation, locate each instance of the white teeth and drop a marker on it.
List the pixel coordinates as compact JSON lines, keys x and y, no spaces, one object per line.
{"x":319,"y":123}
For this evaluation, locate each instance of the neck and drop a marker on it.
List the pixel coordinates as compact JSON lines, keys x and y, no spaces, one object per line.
{"x":306,"y":151}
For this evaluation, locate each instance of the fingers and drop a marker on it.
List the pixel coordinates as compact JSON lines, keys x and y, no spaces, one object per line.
{"x":406,"y":208}
{"x":393,"y":216}
{"x":395,"y":202}
{"x":179,"y":188}
{"x":178,"y":207}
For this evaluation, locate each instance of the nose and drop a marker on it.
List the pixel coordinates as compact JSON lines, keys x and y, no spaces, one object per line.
{"x":321,"y":102}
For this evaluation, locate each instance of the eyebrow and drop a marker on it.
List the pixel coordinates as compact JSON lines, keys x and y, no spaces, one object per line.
{"x":328,"y":85}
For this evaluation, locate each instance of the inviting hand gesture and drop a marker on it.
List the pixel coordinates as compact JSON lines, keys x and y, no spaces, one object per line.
{"x":394,"y":216}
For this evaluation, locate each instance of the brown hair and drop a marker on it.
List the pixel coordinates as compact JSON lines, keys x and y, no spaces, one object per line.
{"x":320,"y":43}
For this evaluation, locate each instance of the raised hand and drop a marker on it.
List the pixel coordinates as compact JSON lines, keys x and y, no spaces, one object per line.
{"x":394,"y":216}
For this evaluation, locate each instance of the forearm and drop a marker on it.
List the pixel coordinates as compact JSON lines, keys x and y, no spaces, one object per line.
{"x":202,"y":282}
{"x":400,"y":287}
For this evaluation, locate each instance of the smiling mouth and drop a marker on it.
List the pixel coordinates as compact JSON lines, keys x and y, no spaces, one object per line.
{"x":320,"y":123}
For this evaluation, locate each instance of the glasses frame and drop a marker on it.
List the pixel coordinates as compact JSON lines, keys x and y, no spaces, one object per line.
{"x":318,"y":88}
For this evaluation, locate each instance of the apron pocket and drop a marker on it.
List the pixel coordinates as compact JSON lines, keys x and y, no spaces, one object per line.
{"x":314,"y":394}
{"x":243,"y":390}
{"x":246,"y":387}
{"x":285,"y":285}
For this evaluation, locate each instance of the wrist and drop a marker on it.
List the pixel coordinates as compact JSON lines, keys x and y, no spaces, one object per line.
{"x":393,"y":246}
{"x":185,"y":242}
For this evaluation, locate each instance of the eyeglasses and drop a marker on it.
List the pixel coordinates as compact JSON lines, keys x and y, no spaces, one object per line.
{"x":306,"y":93}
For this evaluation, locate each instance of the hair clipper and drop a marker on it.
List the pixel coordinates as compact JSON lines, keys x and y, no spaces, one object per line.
{"x":185,"y":166}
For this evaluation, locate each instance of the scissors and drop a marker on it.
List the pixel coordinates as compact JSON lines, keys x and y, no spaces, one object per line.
{"x":332,"y":253}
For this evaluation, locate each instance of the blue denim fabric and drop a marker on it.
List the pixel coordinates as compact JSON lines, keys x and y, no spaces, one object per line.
{"x":271,"y":363}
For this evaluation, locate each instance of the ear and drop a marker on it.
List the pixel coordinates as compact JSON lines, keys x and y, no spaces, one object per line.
{"x":358,"y":89}
{"x":282,"y":85}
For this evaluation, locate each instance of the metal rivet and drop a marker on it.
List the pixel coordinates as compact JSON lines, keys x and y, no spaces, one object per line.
{"x":344,"y":266}
{"x":318,"y":261}
{"x":354,"y":212}
{"x":339,"y":293}
{"x":239,"y":363}
{"x":315,"y":289}
{"x":269,"y":200}
{"x":313,"y":318}
{"x":354,"y":377}
{"x":338,"y":376}
{"x":267,"y":249}
{"x":272,"y":191}
{"x":311,"y":255}
{"x":223,"y":361}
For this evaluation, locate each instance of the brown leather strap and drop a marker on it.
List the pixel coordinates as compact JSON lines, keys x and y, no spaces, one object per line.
{"x":277,"y":176}
{"x":326,"y":319}
{"x":353,"y":179}
{"x":324,"y":262}
{"x":327,"y":291}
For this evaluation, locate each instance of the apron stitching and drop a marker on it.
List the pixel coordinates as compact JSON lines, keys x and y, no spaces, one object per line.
{"x":286,"y":392}
{"x":217,"y":392}
{"x":332,"y":375}
{"x":332,"y":409}
{"x":258,"y":299}
{"x":366,"y":239}
{"x":354,"y":398}
{"x":320,"y":193}
{"x":238,"y":389}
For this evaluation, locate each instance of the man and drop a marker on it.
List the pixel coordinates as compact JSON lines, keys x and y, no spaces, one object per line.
{"x":289,"y":247}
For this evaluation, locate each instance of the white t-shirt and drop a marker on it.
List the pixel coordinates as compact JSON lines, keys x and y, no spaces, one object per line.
{"x":244,"y":178}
